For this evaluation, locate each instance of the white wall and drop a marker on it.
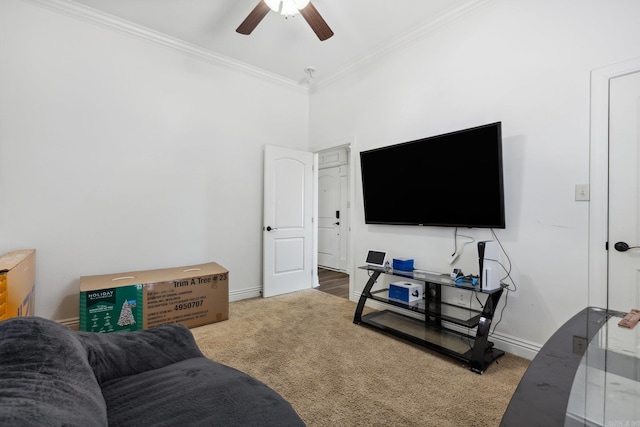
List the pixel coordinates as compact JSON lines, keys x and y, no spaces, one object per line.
{"x":528,"y":65}
{"x":118,"y":154}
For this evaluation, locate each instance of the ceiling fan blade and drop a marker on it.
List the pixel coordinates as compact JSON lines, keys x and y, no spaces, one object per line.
{"x":253,"y":19}
{"x":316,"y":22}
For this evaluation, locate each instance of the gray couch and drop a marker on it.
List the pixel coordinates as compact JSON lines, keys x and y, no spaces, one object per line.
{"x":53,"y":376}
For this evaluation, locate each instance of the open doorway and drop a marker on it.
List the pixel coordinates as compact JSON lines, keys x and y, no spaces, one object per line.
{"x":333,"y":282}
{"x":333,"y":220}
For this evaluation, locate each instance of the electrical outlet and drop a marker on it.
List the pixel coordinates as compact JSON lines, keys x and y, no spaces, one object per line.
{"x":462,"y":297}
{"x":579,"y":345}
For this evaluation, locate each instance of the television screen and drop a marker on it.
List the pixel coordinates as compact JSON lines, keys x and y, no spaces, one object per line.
{"x":452,"y":180}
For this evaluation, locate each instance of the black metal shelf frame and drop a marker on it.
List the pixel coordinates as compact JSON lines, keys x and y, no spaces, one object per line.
{"x":477,"y":351}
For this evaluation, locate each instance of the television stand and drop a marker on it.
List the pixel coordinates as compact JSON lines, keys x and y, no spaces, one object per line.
{"x":436,"y":331}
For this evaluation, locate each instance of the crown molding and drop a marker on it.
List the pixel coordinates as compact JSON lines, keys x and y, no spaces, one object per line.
{"x":88,"y":14}
{"x":401,"y":42}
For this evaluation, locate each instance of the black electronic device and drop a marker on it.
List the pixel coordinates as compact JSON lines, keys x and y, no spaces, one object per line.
{"x":377,"y":259}
{"x":454,"y":180}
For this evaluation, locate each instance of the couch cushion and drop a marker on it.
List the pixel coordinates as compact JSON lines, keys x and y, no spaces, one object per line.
{"x":45,"y":378}
{"x":196,"y":392}
{"x":122,"y":354}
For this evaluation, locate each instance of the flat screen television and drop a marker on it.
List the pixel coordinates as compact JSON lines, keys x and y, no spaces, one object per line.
{"x":450,"y":180}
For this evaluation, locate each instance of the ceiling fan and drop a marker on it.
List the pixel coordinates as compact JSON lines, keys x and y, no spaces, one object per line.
{"x":287,"y":8}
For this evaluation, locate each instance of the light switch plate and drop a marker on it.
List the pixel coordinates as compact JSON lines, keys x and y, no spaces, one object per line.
{"x":582,"y":192}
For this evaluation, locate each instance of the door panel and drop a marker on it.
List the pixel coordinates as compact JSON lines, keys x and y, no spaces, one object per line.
{"x":624,"y":192}
{"x":328,"y":217}
{"x":288,"y":211}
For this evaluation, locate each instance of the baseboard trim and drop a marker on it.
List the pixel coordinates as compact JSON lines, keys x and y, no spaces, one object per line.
{"x":245,"y":294}
{"x":508,"y":343}
{"x":72,"y":323}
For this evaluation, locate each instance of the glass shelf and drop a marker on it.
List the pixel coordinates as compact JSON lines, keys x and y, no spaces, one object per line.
{"x":606,"y":386}
{"x":586,"y":374}
{"x":462,"y":316}
{"x":430,"y":277}
{"x":421,"y":333}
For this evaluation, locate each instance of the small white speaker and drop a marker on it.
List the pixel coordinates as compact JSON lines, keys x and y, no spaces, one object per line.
{"x":489,"y":266}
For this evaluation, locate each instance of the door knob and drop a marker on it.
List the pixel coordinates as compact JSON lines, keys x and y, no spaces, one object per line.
{"x":269,"y":228}
{"x":623,"y":247}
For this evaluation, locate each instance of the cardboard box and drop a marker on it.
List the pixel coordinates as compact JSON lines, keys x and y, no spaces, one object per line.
{"x":406,"y":291}
{"x":18,"y":284}
{"x":192,"y":296}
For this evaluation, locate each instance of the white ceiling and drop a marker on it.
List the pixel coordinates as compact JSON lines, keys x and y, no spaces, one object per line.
{"x":286,"y":47}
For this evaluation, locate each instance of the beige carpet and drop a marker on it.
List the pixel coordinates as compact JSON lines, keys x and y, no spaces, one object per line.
{"x":335,"y":373}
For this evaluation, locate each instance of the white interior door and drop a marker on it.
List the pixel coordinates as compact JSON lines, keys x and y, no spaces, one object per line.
{"x":288,"y":221}
{"x":329,"y":191}
{"x":624,"y":193}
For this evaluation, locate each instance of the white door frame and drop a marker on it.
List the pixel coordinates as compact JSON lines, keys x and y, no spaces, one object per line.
{"x":350,"y":270}
{"x":598,"y":177}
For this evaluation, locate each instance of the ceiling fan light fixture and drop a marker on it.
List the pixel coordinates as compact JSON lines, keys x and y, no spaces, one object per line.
{"x":301,"y":4}
{"x":273,"y":4}
{"x":287,"y":7}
